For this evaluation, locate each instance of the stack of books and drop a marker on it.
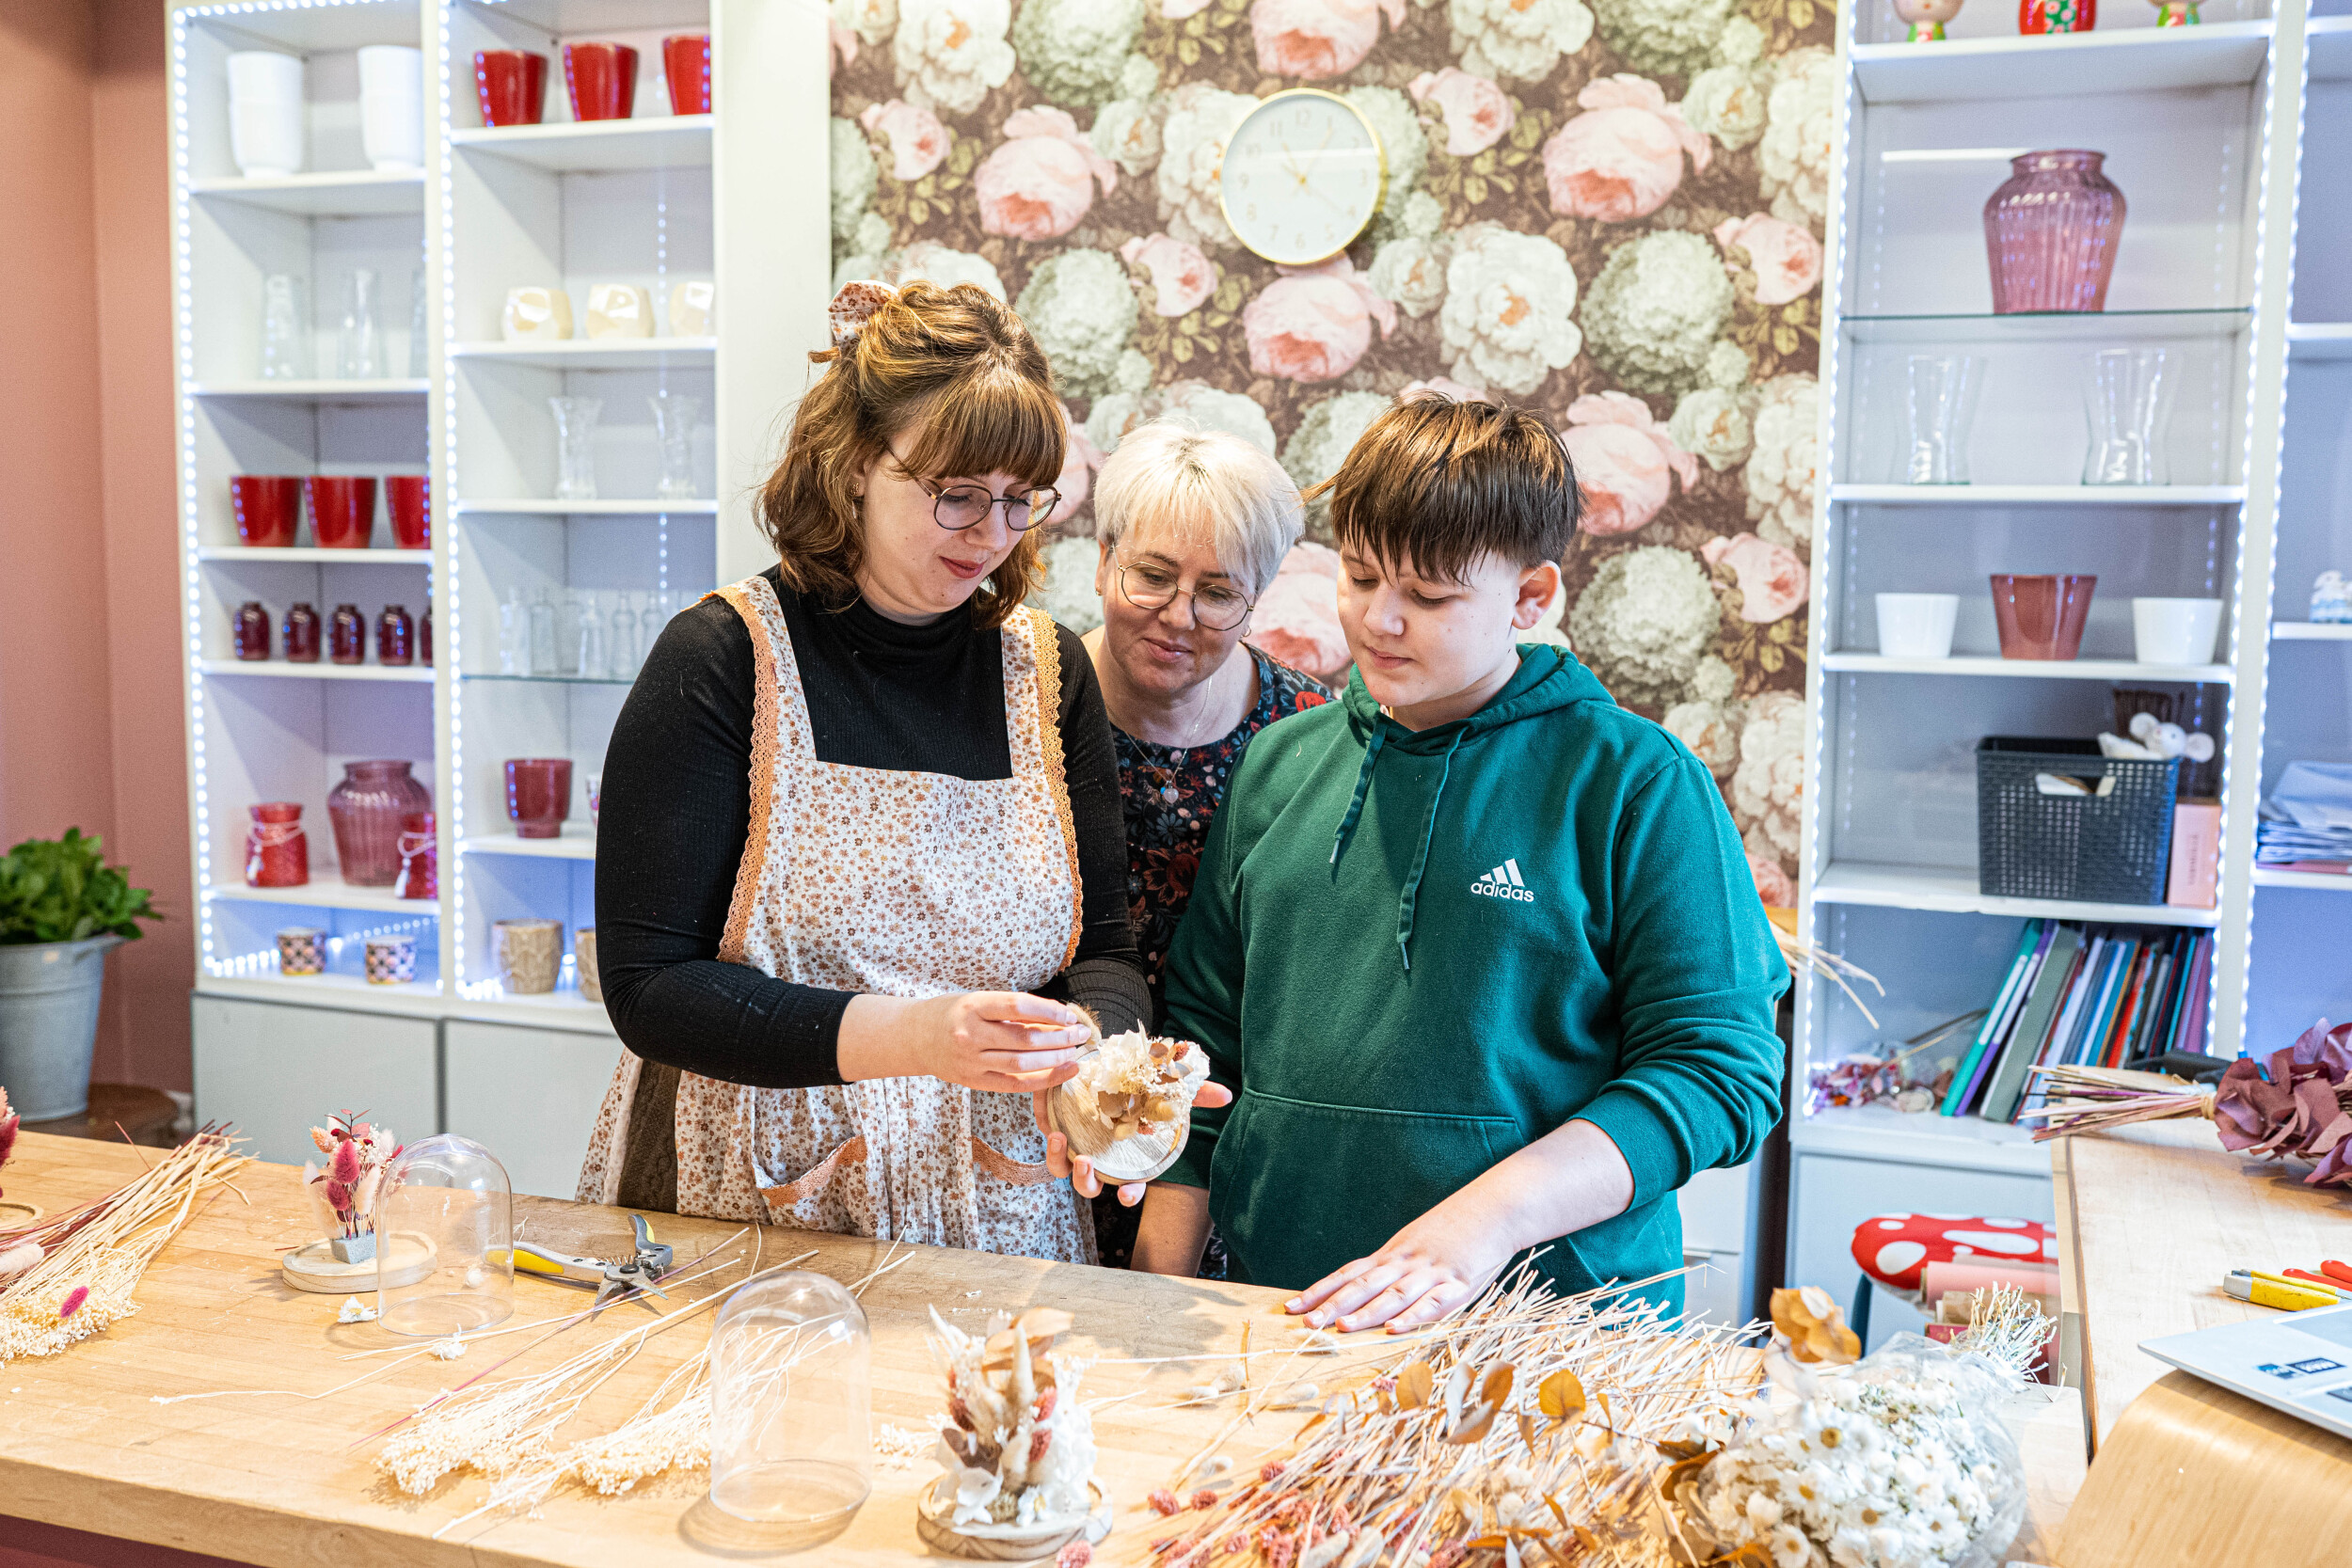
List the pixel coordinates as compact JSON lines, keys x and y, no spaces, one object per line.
{"x":2083,"y":996}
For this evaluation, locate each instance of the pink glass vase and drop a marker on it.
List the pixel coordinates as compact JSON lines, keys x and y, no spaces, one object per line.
{"x":366,"y":809}
{"x":2050,"y":233}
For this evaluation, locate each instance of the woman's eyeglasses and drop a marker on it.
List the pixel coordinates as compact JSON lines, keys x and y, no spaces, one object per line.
{"x":961,"y":506}
{"x":1215,"y":605}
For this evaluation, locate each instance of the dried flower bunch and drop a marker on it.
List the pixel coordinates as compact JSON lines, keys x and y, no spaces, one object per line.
{"x":345,"y":1190}
{"x":1808,"y":1325}
{"x":1021,"y":1449}
{"x":9,"y":1122}
{"x":1129,"y":1108}
{"x":71,"y":1277}
{"x":1525,"y":1429}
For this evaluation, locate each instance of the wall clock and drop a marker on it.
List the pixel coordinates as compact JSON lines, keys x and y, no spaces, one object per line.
{"x":1303,"y":175}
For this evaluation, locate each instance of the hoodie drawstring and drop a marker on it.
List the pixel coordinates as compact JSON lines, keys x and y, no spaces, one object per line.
{"x":1405,"y":904}
{"x":1356,"y":803}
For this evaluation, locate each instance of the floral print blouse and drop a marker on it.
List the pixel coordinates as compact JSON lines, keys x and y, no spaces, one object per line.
{"x":1170,"y":793}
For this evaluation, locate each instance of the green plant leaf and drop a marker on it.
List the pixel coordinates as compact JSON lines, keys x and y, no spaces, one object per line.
{"x":61,"y":890}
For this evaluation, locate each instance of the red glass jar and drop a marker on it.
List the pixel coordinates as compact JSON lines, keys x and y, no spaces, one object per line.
{"x":395,"y":636}
{"x":420,"y":858}
{"x":348,"y":635}
{"x":251,"y":631}
{"x":276,"y":850}
{"x":302,"y":634}
{"x":368,"y":809}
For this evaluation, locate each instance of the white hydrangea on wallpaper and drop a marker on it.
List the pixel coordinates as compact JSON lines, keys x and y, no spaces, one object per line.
{"x":1728,"y":98}
{"x":1210,"y":408}
{"x":1780,"y":474}
{"x":871,"y":21}
{"x":1192,"y":151}
{"x":950,"y":54}
{"x":1768,"y":787}
{"x":1518,"y":40}
{"x":936,"y":264}
{"x":1712,"y":730}
{"x":1127,"y":131}
{"x":1068,"y":593}
{"x":1319,"y":445}
{"x":1073,"y":51}
{"x":1800,"y":120}
{"x":1402,"y":142}
{"x":1411,"y":272}
{"x":854,"y":172}
{"x":1653,"y":315}
{"x":1644,"y":622}
{"x":1509,"y":314}
{"x":1671,"y":38}
{"x":1080,"y":310}
{"x":1712,"y":424}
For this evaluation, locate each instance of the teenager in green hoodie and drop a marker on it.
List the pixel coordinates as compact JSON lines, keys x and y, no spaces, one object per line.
{"x":1477,"y":948}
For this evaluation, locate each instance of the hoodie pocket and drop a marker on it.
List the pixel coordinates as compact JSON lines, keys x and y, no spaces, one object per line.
{"x":1299,"y":1187}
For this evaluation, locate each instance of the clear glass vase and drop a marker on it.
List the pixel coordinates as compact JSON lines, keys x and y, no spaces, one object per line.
{"x":575,"y":447}
{"x":2127,"y":401}
{"x":2051,"y":231}
{"x":284,"y":356}
{"x":359,"y":343}
{"x":1939,"y":404}
{"x":444,"y":1222}
{"x":674,"y":427}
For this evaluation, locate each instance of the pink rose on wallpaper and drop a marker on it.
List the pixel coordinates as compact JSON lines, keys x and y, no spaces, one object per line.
{"x":1313,"y":323}
{"x":1787,"y":260}
{"x":1040,"y":181}
{"x":1622,"y":158}
{"x":1771,"y":883}
{"x":1477,"y":112}
{"x":1625,"y":463}
{"x":918,"y":143}
{"x":1081,"y":460}
{"x":1182,"y":278}
{"x":1444,"y":387}
{"x":1297,"y":617}
{"x":1772,"y":581}
{"x":1318,"y":37}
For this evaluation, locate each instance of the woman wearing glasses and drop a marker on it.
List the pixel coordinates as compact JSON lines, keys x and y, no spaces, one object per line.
{"x":861,"y":841}
{"x":1191,"y":526}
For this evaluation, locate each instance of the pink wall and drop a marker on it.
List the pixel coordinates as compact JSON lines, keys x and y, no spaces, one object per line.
{"x":90,"y":732}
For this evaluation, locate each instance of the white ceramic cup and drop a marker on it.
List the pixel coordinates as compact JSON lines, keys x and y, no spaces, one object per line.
{"x":265,"y":138}
{"x":1917,"y":625}
{"x":264,"y":76}
{"x":2175,"y":631}
{"x":391,"y":106}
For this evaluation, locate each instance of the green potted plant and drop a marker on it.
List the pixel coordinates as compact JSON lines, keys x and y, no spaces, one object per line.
{"x":62,"y":907}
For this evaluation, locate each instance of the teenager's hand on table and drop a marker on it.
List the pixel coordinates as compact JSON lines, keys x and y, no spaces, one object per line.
{"x":1006,"y":1042}
{"x":1431,"y":1266}
{"x":1080,"y":1170}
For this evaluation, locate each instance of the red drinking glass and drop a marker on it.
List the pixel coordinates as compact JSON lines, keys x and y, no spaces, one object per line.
{"x":538,"y":795}
{"x":251,"y":631}
{"x":602,"y":78}
{"x":420,"y":858}
{"x":511,"y":85}
{"x":342,"y":510}
{"x":302,"y":634}
{"x":267,"y":506}
{"x":686,"y":67}
{"x":348,"y":635}
{"x":2042,"y":617}
{"x":276,"y":850}
{"x":395,"y":636}
{"x":408,"y":504}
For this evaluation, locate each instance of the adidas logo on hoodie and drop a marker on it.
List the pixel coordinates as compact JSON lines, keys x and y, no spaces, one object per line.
{"x":1504,"y":883}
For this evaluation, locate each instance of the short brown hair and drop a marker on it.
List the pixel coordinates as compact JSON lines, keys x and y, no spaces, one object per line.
{"x":1438,"y":482}
{"x":957,"y":368}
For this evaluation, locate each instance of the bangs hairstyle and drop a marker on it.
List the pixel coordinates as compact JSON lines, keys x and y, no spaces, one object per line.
{"x":1434,"y":484}
{"x":955,"y":379}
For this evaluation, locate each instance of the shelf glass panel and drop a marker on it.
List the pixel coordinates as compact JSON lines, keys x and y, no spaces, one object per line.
{"x":315,"y":392}
{"x":2047,"y":325}
{"x":577,"y":842}
{"x":595,"y":354}
{"x":327,"y":891}
{"x":284,"y":669}
{"x":338,"y":193}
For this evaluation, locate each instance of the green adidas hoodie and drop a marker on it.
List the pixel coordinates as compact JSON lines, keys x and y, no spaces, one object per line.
{"x":1411,"y":954}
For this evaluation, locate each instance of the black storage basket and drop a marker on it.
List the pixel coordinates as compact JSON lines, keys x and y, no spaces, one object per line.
{"x":2108,"y":850}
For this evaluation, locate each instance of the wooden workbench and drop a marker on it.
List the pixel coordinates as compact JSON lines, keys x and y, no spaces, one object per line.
{"x":281,"y":1479}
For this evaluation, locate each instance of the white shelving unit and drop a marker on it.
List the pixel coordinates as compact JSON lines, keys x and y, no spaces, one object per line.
{"x":652,"y":201}
{"x":2199,"y":126}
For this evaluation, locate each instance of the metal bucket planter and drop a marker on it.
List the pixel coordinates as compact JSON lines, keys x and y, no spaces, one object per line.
{"x":49,"y":995}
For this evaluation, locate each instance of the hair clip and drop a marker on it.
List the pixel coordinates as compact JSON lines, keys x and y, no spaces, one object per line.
{"x":853,"y":306}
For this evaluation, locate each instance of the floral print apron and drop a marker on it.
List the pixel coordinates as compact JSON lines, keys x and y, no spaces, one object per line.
{"x":902,"y":884}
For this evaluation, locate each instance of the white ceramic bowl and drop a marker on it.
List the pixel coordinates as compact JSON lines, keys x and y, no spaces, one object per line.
{"x":1917,"y":625}
{"x":2176,"y":631}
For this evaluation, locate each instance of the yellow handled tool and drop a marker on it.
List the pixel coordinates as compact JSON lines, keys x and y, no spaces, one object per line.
{"x":2269,"y":1289}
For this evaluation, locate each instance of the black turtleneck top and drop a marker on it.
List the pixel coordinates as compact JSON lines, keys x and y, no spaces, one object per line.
{"x":676,"y":810}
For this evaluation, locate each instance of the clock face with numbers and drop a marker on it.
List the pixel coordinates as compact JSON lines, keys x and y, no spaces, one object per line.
{"x":1302,"y":176}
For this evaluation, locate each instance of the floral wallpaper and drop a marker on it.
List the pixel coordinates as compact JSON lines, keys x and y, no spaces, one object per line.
{"x":1611,"y":211}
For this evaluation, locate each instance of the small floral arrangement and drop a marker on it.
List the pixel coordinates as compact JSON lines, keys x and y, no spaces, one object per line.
{"x":344,"y":1189}
{"x":9,"y":1121}
{"x":1020,"y":1451}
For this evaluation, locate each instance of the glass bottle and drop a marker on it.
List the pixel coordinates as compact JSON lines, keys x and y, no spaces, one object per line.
{"x":542,"y":635}
{"x":348,"y":635}
{"x":282,"y":356}
{"x":359,"y":345}
{"x":575,"y":447}
{"x":568,"y":636}
{"x":302,"y":634}
{"x":419,"y":338}
{"x":252,"y":630}
{"x":673,"y":428}
{"x":514,"y":635}
{"x":367,"y":809}
{"x":424,"y":633}
{"x":395,"y":636}
{"x":420,"y":858}
{"x":591,"y":654}
{"x":276,"y":850}
{"x":626,"y":655}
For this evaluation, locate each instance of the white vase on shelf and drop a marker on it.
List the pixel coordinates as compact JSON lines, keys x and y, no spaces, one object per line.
{"x":266,"y":113}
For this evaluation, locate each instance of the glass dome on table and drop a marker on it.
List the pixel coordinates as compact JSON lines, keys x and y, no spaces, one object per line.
{"x":452,"y":1195}
{"x":791,"y":1379}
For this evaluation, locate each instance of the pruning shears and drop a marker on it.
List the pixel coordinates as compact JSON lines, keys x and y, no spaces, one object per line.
{"x":610,"y":1276}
